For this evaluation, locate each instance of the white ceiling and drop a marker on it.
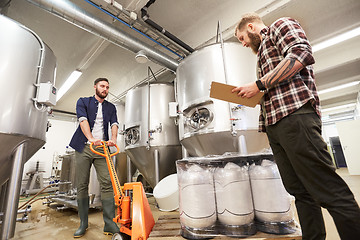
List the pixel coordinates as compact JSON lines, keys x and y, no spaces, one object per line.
{"x":195,"y":23}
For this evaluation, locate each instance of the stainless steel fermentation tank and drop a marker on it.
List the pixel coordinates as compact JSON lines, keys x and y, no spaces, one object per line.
{"x":25,"y":63}
{"x":151,"y":136}
{"x":210,"y":126}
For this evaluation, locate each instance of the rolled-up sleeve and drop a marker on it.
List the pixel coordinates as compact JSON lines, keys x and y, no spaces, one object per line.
{"x":114,"y":124}
{"x":81,"y":112}
{"x":292,"y":42}
{"x":113,"y":117}
{"x":302,"y":54}
{"x":82,"y":119}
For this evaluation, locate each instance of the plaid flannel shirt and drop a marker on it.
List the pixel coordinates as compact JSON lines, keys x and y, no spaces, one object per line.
{"x":286,"y":39}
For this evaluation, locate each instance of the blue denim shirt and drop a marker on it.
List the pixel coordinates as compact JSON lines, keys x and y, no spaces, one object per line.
{"x":86,"y":109}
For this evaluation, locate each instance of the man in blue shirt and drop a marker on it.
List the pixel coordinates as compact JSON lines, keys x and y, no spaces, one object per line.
{"x":95,"y":114}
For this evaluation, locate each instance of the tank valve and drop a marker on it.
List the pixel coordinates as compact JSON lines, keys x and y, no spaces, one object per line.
{"x":237,"y":107}
{"x":48,"y":125}
{"x":122,"y":131}
{"x":233,"y":131}
{"x":157,"y":129}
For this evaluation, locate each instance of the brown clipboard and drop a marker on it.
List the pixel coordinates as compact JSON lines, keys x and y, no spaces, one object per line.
{"x":223,"y":92}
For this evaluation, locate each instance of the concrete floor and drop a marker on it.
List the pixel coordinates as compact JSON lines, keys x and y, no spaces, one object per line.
{"x":47,"y":223}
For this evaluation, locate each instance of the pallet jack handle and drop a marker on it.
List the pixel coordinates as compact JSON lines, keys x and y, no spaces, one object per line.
{"x":118,"y":193}
{"x":104,"y":146}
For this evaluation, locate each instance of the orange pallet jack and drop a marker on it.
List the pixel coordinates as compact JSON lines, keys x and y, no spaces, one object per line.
{"x":139,"y":225}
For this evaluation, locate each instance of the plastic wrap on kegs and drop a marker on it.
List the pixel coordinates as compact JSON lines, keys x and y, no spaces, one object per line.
{"x":233,"y":195}
{"x":272,"y":203}
{"x":197,"y":197}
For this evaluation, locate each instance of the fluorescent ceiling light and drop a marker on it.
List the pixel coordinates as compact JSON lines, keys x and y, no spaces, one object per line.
{"x":346,"y":85}
{"x":335,"y":40}
{"x":74,"y":76}
{"x":350,"y":105}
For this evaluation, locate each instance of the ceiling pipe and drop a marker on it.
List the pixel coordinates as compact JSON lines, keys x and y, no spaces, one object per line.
{"x":70,"y":12}
{"x":145,"y":16}
{"x":101,"y":8}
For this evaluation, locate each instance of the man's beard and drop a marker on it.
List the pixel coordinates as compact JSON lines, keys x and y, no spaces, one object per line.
{"x":254,"y":41}
{"x":101,"y":95}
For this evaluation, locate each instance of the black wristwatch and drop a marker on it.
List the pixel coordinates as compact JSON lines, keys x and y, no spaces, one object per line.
{"x":260,"y":85}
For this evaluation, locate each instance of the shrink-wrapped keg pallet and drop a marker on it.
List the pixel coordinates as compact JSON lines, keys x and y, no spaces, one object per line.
{"x":168,"y":227}
{"x":233,"y":195}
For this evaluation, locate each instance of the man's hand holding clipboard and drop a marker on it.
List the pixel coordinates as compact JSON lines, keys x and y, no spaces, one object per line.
{"x":235,"y":94}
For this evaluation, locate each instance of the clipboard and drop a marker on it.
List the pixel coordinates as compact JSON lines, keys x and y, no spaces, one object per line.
{"x":223,"y":92}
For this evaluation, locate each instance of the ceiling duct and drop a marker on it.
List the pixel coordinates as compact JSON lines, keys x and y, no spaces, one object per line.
{"x":70,"y":12}
{"x":145,"y":16}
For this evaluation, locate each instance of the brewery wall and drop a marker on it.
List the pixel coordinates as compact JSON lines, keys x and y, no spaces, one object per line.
{"x":57,"y":140}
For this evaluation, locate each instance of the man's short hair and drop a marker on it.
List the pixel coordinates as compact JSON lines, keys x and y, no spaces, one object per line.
{"x":247,"y":18}
{"x":100,"y":79}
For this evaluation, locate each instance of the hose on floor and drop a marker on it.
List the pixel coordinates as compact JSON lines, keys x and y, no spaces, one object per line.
{"x":28,"y":202}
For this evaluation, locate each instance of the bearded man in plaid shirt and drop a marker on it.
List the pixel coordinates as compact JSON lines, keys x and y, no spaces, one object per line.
{"x":290,"y":116}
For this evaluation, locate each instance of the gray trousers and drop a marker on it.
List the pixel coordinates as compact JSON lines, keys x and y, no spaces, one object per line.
{"x":308,"y":173}
{"x":84,"y":160}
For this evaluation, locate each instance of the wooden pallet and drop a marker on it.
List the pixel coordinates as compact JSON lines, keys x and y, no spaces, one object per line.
{"x":168,"y":227}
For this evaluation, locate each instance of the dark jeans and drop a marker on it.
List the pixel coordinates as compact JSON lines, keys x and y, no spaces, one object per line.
{"x":309,"y":175}
{"x":84,"y":160}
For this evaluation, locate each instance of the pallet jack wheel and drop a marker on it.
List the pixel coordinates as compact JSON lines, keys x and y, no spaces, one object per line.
{"x":120,"y":236}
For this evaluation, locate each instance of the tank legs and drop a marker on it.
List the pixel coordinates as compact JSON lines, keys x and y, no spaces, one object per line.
{"x":13,"y":191}
{"x":242,"y":145}
{"x":128,"y":167}
{"x":156,"y":158}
